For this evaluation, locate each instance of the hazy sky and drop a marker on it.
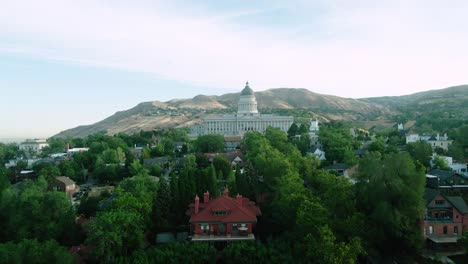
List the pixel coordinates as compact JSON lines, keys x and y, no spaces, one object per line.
{"x":65,"y":63}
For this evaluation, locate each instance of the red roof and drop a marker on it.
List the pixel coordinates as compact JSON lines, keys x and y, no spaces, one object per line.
{"x":235,"y":212}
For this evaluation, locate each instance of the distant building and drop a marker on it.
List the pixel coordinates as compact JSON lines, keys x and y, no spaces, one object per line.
{"x":64,"y":184}
{"x":434,"y":140}
{"x":223,"y":218}
{"x":246,"y":119}
{"x":313,"y":133}
{"x":33,"y":145}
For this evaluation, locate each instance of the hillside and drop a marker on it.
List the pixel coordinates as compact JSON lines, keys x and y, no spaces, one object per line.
{"x":178,"y":113}
{"x":452,"y":99}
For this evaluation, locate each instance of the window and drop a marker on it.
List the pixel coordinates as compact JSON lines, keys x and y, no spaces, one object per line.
{"x":439,"y":202}
{"x":455,"y":229}
{"x":445,"y":230}
{"x":219,"y":213}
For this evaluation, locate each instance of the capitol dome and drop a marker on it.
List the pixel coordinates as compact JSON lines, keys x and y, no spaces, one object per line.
{"x":247,"y":90}
{"x":247,"y":103}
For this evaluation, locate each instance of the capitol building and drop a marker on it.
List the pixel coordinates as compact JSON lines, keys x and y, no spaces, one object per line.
{"x":246,"y":119}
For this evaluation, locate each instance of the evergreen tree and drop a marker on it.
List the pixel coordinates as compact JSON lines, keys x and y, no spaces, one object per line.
{"x":212,"y":182}
{"x":162,"y":203}
{"x":232,"y":184}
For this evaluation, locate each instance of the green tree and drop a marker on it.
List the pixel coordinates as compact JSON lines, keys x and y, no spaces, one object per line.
{"x":162,"y":203}
{"x":29,"y":211}
{"x":441,"y":163}
{"x":420,"y":151}
{"x":34,"y":251}
{"x":292,"y":131}
{"x":222,"y":164}
{"x":49,"y":173}
{"x":389,"y":192}
{"x":114,"y":234}
{"x":209,"y":143}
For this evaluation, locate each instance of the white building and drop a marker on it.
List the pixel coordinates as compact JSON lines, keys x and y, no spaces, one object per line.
{"x":246,"y":119}
{"x":33,"y":145}
{"x":435,"y":141}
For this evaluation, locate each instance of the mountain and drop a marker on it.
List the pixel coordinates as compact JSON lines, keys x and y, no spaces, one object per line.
{"x":449,"y":99}
{"x":179,"y":113}
{"x":366,"y":112}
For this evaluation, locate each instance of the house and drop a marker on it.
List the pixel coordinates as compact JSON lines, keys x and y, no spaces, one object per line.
{"x":223,"y":218}
{"x":340,"y":168}
{"x":163,"y":162}
{"x":446,"y":179}
{"x":359,"y":153}
{"x":236,"y":158}
{"x":64,"y":184}
{"x":232,"y":143}
{"x":445,"y":219}
{"x":434,"y":140}
{"x":33,"y":145}
{"x":320,"y":154}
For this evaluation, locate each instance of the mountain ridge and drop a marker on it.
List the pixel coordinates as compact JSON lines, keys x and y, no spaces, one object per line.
{"x":178,"y":113}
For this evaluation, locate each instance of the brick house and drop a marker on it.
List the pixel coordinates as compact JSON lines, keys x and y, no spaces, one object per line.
{"x":64,"y":184}
{"x":445,"y":218}
{"x":223,"y":218}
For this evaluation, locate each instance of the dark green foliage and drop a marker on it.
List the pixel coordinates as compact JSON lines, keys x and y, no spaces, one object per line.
{"x":221,"y":164}
{"x":114,"y":234}
{"x":162,"y":203}
{"x":390,"y":191}
{"x":420,"y":151}
{"x":30,"y":212}
{"x":338,"y":144}
{"x":89,"y":206}
{"x":33,"y":251}
{"x":292,"y":131}
{"x":182,"y":253}
{"x":256,"y":252}
{"x":209,"y":143}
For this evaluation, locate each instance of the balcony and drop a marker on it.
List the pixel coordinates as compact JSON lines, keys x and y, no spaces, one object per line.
{"x":438,"y":220}
{"x":223,"y":237}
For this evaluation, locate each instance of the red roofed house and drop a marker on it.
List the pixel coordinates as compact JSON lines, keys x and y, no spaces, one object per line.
{"x":223,"y":218}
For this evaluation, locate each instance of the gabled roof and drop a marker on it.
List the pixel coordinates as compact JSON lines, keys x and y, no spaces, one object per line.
{"x":430,"y":194}
{"x":247,"y":212}
{"x":442,"y":174}
{"x":455,"y":201}
{"x":458,"y":203}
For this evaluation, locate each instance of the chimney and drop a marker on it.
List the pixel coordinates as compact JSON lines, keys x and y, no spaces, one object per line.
{"x":239,"y":199}
{"x":197,"y":204}
{"x":226,"y":191}
{"x":206,"y":197}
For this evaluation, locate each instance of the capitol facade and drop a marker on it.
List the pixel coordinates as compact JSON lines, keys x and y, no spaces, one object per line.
{"x":246,"y":119}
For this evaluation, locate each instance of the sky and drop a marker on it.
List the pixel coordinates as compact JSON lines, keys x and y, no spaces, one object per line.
{"x":65,"y":63}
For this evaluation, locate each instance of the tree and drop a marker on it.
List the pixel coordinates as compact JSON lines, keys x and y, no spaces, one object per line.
{"x":441,"y":164}
{"x":115,"y":233}
{"x":221,"y":164}
{"x":136,"y":168}
{"x":162,"y":203}
{"x":377,"y":145}
{"x":31,"y":212}
{"x":49,"y":172}
{"x":420,"y":151}
{"x":292,"y":131}
{"x":34,"y":251}
{"x":209,"y":143}
{"x":232,"y":183}
{"x":389,"y":192}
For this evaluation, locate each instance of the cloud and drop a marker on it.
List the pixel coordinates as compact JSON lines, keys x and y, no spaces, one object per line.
{"x":354,"y":50}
